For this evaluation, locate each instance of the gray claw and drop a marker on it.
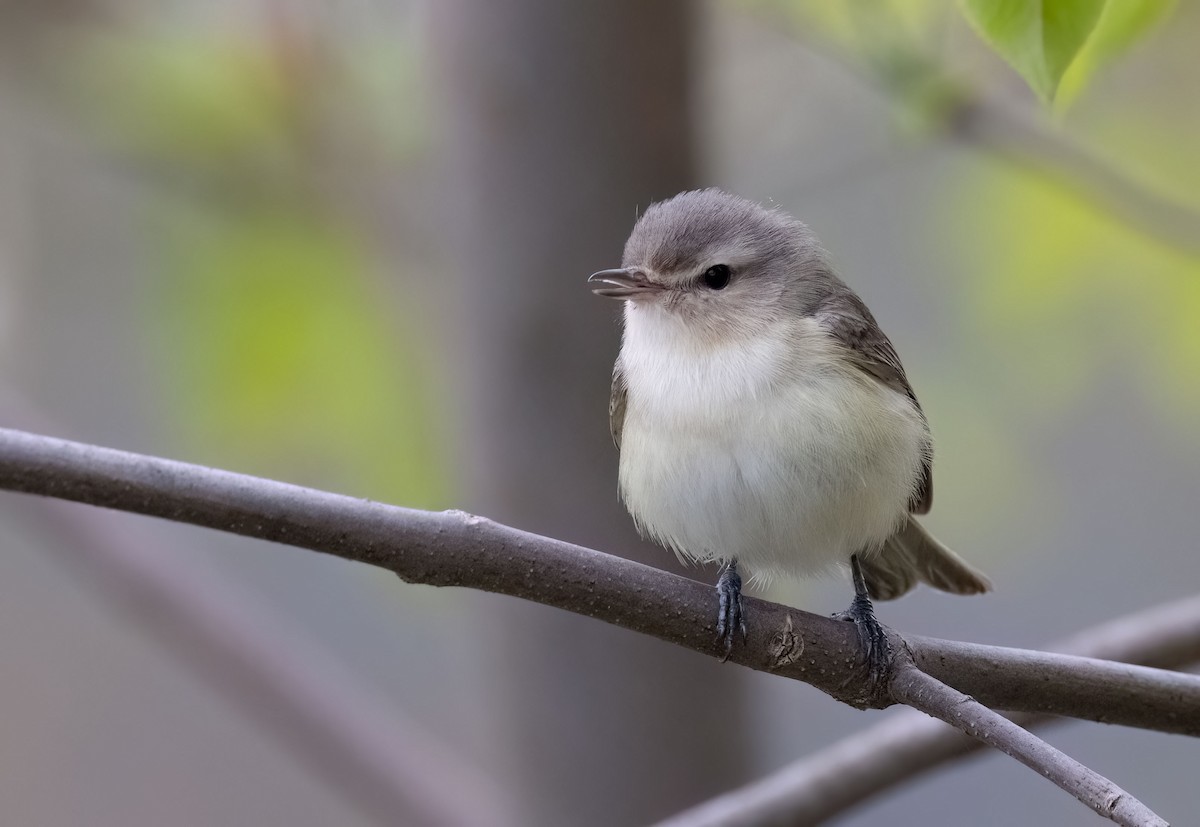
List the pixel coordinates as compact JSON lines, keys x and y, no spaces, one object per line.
{"x":730,"y":612}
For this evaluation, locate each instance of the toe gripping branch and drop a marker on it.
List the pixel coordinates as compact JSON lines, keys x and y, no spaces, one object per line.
{"x":730,"y":616}
{"x":873,"y":640}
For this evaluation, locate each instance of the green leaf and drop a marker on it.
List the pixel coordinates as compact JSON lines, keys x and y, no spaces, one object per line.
{"x":1122,"y":23}
{"x":1040,"y":38}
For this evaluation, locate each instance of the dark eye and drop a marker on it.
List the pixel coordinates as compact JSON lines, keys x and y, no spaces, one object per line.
{"x":717,"y":276}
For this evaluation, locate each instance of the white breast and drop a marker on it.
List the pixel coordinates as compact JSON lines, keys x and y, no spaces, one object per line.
{"x":773,"y":450}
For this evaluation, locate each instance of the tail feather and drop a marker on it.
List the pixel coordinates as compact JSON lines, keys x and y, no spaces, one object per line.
{"x":912,"y":554}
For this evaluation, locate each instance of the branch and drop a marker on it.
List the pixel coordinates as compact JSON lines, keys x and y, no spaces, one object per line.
{"x":458,"y":549}
{"x":812,"y":790}
{"x":903,"y":72}
{"x":929,"y":695}
{"x":1026,"y":143}
{"x":385,"y":764}
{"x":908,"y":743}
{"x":1122,"y":693}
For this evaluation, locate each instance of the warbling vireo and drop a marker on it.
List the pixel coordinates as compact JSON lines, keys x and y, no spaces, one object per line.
{"x":762,"y":417}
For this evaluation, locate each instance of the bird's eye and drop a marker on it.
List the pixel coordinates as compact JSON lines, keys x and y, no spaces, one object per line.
{"x":717,"y":276}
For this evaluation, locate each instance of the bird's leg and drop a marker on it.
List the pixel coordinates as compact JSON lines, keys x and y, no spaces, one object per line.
{"x":729,"y":606}
{"x":873,"y":640}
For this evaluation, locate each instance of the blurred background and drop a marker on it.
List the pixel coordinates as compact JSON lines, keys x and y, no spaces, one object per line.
{"x":344,"y":245}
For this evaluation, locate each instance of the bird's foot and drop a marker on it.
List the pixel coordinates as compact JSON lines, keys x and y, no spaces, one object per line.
{"x":729,"y":607}
{"x":873,"y":640}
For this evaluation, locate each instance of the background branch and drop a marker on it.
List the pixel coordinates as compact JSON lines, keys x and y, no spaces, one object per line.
{"x":917,"y":81}
{"x":1031,"y":146}
{"x":385,"y":764}
{"x":929,"y":695}
{"x":909,"y":743}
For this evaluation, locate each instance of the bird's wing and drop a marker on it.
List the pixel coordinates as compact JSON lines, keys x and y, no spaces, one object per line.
{"x":851,"y":324}
{"x":616,"y":404}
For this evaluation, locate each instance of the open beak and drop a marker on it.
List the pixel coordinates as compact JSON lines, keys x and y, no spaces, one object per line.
{"x":623,"y":283}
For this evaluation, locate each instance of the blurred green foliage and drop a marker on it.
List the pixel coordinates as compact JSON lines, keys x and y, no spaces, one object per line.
{"x":218,"y":98}
{"x":1072,"y":300}
{"x":191,"y":99}
{"x":1056,"y":45}
{"x":1067,"y":301}
{"x":1068,"y":294}
{"x":282,"y":348}
{"x":282,"y":352}
{"x":860,"y":25}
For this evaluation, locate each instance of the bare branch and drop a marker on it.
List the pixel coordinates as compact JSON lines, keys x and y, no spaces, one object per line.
{"x":810,"y":791}
{"x":929,"y":695}
{"x":1166,"y":636}
{"x":903,"y":72}
{"x":837,"y":778}
{"x":1028,"y":144}
{"x":1120,"y":692}
{"x":458,"y":549}
{"x":454,"y":548}
{"x":384,"y":764}
{"x":906,"y":744}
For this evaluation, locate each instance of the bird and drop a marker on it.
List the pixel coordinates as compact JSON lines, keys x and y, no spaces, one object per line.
{"x":763,"y":419}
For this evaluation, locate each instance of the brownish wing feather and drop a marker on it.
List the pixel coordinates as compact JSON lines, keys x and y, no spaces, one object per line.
{"x":913,"y":554}
{"x":616,"y":404}
{"x":851,"y":324}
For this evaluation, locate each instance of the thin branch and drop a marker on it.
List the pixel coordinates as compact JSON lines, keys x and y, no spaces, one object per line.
{"x":835,"y":779}
{"x":1120,"y":692}
{"x":1166,"y":636}
{"x":908,"y":743}
{"x":929,"y":695}
{"x":903,"y":72}
{"x":760,"y":803}
{"x":1028,"y":144}
{"x":458,"y":549}
{"x":383,"y":763}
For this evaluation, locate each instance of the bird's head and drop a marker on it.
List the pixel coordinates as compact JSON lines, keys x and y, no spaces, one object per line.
{"x":717,"y":263}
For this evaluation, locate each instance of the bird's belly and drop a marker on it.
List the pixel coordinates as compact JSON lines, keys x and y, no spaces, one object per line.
{"x":787,"y":484}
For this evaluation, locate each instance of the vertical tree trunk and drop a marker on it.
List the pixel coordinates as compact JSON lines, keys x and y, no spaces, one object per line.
{"x":562,"y":119}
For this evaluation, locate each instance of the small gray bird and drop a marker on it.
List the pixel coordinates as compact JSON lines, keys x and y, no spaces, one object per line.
{"x":762,"y":417}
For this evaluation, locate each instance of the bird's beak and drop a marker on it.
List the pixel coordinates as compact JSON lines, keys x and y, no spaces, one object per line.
{"x":623,"y":283}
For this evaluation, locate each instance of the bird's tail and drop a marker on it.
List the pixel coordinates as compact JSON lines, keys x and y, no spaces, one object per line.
{"x":912,"y":554}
